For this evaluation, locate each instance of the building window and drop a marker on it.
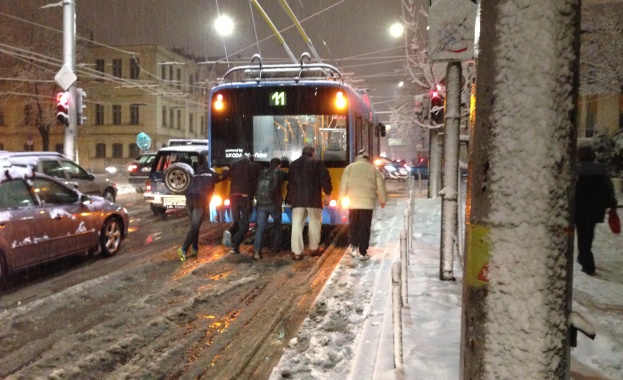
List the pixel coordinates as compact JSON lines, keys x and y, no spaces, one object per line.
{"x":117,"y":150}
{"x":171,"y":119}
{"x":179,"y":119}
{"x":100,"y":150}
{"x":170,"y":72}
{"x":59,"y":148}
{"x":191,"y":121}
{"x":29,"y":147}
{"x":99,"y":114}
{"x":201,"y":125}
{"x":1,"y":146}
{"x":100,"y":65}
{"x":163,"y":72}
{"x":116,"y":114}
{"x":1,"y":116}
{"x":135,"y":69}
{"x":191,"y":84}
{"x":591,"y":115}
{"x":134,"y":119}
{"x":116,"y":67}
{"x":134,"y":151}
{"x":27,"y":114}
{"x":164,"y":117}
{"x":179,"y":78}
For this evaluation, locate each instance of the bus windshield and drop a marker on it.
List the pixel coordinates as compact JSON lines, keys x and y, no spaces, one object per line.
{"x":269,"y":122}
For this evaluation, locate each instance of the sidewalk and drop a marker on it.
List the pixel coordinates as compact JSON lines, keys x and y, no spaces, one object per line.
{"x":349,"y":332}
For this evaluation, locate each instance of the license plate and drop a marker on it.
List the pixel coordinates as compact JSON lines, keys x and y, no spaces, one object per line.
{"x":174,"y":202}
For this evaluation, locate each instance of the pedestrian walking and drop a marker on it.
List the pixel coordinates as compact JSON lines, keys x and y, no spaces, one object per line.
{"x":269,"y":200}
{"x":308,"y":178}
{"x":198,"y":195}
{"x":594,"y":193}
{"x":243,"y":175}
{"x":360,"y":187}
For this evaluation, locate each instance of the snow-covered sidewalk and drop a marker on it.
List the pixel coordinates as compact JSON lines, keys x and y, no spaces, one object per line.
{"x":349,"y":333}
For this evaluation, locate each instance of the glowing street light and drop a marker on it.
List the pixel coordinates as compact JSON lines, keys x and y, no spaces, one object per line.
{"x":224,"y":25}
{"x":396,"y":29}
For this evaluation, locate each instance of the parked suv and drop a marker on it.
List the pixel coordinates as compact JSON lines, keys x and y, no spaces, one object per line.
{"x":63,"y":169}
{"x":170,"y":176}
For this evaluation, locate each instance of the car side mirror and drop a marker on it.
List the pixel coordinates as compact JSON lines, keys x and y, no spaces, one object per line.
{"x":90,"y":177}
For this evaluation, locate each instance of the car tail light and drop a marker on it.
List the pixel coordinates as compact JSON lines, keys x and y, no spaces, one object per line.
{"x":148,"y":185}
{"x":132,"y":167}
{"x":227,"y":202}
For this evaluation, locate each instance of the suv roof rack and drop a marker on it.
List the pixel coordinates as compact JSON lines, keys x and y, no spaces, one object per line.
{"x":178,"y":142}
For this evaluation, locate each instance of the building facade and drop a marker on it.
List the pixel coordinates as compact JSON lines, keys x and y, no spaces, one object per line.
{"x":129,"y":90}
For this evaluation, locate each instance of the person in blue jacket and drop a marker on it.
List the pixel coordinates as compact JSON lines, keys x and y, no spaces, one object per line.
{"x":198,"y":196}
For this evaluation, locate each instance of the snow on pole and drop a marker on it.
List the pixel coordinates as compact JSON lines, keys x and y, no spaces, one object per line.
{"x":449,"y":205}
{"x":519,"y":238}
{"x":397,"y":315}
{"x":403,"y":266}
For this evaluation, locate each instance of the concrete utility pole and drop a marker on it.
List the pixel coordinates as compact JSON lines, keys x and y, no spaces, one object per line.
{"x":449,"y":204}
{"x":434,"y":161}
{"x":519,"y":261}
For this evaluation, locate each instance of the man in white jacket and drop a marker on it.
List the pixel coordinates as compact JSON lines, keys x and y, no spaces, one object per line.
{"x":361,"y":185}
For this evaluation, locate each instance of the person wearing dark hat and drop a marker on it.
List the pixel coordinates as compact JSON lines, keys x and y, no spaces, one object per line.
{"x":360,"y":187}
{"x":594,"y":194}
{"x":308,"y":178}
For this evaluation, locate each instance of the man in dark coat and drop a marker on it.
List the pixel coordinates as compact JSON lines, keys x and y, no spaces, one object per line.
{"x":243,"y":175}
{"x":271,"y":208}
{"x":198,"y":196}
{"x":593,"y":195}
{"x":308,"y":178}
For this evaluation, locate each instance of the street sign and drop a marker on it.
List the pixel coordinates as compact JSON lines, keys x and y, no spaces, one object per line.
{"x":452,"y":27}
{"x":65,"y":78}
{"x":143,"y":141}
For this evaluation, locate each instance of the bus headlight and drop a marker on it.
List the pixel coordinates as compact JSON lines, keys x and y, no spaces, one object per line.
{"x":345,"y":202}
{"x":216,"y":201}
{"x":340,"y":100}
{"x":218,"y":103}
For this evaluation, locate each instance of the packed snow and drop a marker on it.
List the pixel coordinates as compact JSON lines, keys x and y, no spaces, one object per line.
{"x":349,"y":332}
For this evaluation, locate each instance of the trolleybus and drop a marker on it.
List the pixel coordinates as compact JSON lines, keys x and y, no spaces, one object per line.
{"x":267,"y":111}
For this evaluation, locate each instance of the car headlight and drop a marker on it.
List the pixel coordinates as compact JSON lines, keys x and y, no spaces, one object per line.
{"x":390,"y":168}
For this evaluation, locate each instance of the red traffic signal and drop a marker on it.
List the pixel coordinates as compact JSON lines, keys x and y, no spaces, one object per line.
{"x":62,"y":105}
{"x":436,"y":107}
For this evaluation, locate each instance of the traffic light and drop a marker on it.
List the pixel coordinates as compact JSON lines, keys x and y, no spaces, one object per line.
{"x":62,"y":105}
{"x":80,"y":106}
{"x":436,"y":108}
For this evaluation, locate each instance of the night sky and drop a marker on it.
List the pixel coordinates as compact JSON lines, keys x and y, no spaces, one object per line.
{"x":350,"y":34}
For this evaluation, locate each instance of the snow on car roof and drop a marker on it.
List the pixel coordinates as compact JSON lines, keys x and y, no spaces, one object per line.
{"x":11,"y":172}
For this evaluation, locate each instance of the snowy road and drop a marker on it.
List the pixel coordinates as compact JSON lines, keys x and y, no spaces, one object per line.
{"x":143,"y":314}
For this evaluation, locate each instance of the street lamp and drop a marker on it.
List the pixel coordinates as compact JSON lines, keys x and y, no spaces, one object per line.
{"x":396,"y":29}
{"x":224,"y":25}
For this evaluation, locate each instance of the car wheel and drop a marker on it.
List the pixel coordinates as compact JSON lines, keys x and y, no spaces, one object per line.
{"x":157,"y":210}
{"x":177,"y":177}
{"x":110,"y":237}
{"x":109,"y":195}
